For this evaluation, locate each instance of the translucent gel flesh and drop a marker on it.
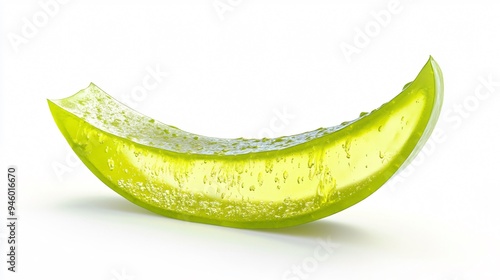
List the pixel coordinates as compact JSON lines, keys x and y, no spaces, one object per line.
{"x":248,"y":182}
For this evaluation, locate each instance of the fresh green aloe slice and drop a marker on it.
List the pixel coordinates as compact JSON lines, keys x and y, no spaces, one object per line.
{"x":248,"y":183}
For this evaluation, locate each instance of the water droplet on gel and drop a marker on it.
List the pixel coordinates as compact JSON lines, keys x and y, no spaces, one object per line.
{"x":310,"y":163}
{"x":381,"y":155}
{"x":101,"y":137}
{"x":380,"y":129}
{"x":239,"y":168}
{"x":111,"y":164}
{"x":363,"y":114}
{"x":285,"y":175}
{"x":269,"y":167}
{"x":311,"y":174}
{"x":347,"y":147}
{"x":252,"y":188}
{"x":260,"y":179}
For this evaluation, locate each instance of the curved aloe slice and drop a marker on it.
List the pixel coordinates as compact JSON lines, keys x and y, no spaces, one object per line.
{"x":248,"y":183}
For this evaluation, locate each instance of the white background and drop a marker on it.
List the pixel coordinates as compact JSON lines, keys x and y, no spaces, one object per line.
{"x":234,"y":73}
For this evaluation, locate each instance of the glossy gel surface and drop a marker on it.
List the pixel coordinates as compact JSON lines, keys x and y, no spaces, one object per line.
{"x":248,"y":183}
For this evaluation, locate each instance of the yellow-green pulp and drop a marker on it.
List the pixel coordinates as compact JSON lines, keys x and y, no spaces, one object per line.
{"x":248,"y":183}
